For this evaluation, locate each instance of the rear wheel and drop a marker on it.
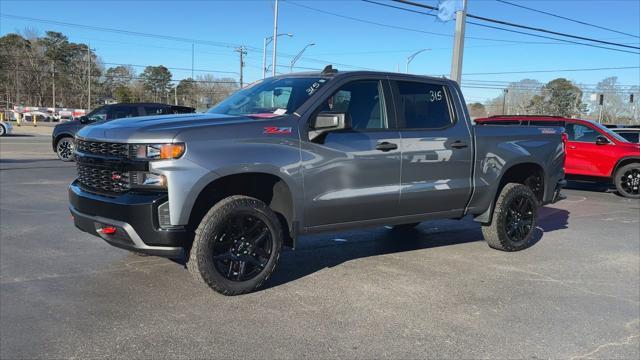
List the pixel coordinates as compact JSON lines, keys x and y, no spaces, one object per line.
{"x":514,"y":219}
{"x":237,"y":245}
{"x":64,"y":148}
{"x":627,"y":180}
{"x":3,"y":131}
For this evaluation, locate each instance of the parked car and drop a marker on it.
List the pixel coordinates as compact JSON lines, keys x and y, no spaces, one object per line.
{"x":594,"y":152}
{"x":63,"y":133}
{"x":304,"y":153}
{"x":632,"y":135}
{"x":5,"y":128}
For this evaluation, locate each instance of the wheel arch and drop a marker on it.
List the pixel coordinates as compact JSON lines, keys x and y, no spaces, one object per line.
{"x":516,"y":173}
{"x":59,"y":137}
{"x":269,"y":188}
{"x":624,"y":161}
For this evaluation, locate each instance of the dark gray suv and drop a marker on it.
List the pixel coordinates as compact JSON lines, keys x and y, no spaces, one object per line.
{"x":62,"y":136}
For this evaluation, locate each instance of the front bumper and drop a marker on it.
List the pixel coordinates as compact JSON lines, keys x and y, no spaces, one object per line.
{"x":135,"y":218}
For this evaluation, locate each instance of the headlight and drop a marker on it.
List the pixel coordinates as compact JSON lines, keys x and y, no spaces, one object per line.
{"x":158,"y":151}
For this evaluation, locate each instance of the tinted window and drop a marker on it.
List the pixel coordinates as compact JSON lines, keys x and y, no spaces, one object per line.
{"x":362,"y":101}
{"x":582,"y":133}
{"x":157,"y":110}
{"x":424,"y":106}
{"x":630,"y":136}
{"x":119,"y":112}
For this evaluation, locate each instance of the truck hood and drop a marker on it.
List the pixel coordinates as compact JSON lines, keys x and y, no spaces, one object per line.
{"x":160,"y":128}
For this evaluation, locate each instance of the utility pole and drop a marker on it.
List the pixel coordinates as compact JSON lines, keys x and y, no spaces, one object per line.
{"x":275,"y":39}
{"x":175,"y":94}
{"x":193,"y":51}
{"x":53,"y":80}
{"x":504,"y":99}
{"x":88,"y":78}
{"x":242,"y":50}
{"x":458,"y":44}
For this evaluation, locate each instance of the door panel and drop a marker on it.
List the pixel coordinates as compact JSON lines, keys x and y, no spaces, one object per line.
{"x":583,"y":156}
{"x":354,"y":174}
{"x":436,"y":151}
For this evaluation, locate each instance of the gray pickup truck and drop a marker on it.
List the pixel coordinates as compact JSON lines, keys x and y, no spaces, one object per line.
{"x":305,"y":153}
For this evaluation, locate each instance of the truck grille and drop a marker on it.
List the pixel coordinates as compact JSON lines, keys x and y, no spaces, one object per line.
{"x":117,"y":150}
{"x":103,"y":180}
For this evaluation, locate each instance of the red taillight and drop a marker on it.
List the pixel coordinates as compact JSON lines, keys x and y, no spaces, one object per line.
{"x":107,"y":230}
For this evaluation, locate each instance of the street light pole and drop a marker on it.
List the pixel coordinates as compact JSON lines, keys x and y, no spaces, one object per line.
{"x":412,"y":56}
{"x":293,"y":61}
{"x":275,"y":39}
{"x":266,"y":43}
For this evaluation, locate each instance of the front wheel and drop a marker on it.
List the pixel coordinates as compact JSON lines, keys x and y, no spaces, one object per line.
{"x":2,"y":130}
{"x":64,"y":149}
{"x":237,"y":245}
{"x":514,"y":219}
{"x":627,"y":181}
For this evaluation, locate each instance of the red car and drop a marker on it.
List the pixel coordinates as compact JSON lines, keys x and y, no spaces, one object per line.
{"x":593,"y":152}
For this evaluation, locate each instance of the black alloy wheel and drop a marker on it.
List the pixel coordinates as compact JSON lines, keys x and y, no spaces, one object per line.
{"x":242,"y":248}
{"x":64,"y":149}
{"x":627,"y":180}
{"x":519,"y":218}
{"x":630,"y":181}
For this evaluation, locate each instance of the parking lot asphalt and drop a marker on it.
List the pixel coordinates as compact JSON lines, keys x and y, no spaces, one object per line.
{"x":436,"y":292}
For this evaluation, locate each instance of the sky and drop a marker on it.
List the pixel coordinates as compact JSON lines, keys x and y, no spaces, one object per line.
{"x":348,"y":34}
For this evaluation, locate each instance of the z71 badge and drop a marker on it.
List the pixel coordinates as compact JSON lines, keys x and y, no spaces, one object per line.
{"x":273,"y":130}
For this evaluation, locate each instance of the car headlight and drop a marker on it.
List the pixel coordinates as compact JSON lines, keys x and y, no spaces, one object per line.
{"x":158,"y":151}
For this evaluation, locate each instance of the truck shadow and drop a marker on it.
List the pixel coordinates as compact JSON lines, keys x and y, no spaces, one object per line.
{"x":318,"y":252}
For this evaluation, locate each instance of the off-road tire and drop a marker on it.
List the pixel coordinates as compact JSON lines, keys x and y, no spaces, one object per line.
{"x":632,"y":169}
{"x":64,"y":149}
{"x":495,"y":234}
{"x":201,"y":263}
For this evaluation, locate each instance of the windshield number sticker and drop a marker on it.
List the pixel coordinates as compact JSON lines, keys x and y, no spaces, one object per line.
{"x":311,"y":89}
{"x":274,"y":130}
{"x":435,"y":95}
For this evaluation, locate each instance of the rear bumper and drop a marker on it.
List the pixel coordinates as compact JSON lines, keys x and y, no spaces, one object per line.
{"x":135,"y":218}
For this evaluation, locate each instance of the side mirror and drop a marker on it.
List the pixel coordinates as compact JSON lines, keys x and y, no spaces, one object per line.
{"x":601,"y":140}
{"x":84,"y":120}
{"x":327,"y":121}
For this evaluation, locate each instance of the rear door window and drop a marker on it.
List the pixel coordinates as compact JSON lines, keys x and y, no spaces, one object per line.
{"x":581,"y":133}
{"x":423,"y":106}
{"x":119,"y":112}
{"x":546,"y":123}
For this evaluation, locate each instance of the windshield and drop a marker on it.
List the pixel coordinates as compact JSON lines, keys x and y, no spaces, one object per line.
{"x":270,"y":98}
{"x":609,"y":132}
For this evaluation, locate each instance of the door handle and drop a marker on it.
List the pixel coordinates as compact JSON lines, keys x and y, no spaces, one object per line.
{"x":386,"y":146}
{"x":458,"y":145}
{"x":572,"y":147}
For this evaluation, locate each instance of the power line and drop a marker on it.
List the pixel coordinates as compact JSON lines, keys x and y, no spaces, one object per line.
{"x":174,"y":68}
{"x":502,"y":22}
{"x":397,"y":27}
{"x":173,"y":38}
{"x":548,"y":71}
{"x":127,"y":32}
{"x":566,"y":18}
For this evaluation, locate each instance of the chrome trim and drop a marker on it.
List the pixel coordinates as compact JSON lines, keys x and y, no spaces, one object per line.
{"x":131,"y":232}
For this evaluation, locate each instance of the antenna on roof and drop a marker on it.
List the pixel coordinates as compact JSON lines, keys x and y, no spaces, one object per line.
{"x":328,"y":70}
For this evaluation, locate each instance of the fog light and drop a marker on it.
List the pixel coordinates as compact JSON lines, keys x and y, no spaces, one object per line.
{"x":164,"y":217}
{"x":148,"y":180}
